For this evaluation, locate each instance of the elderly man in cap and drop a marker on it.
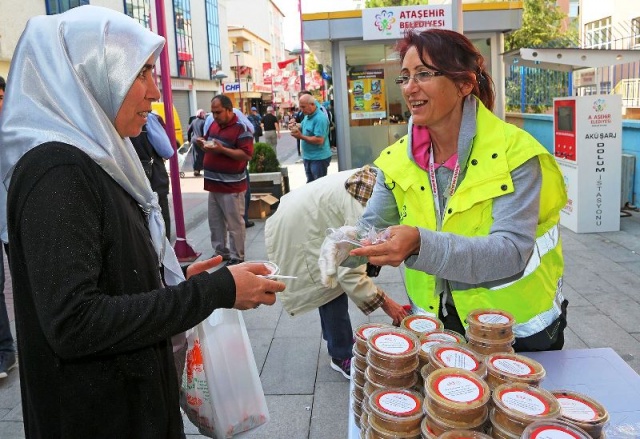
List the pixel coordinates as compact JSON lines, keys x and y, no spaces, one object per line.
{"x":294,"y":236}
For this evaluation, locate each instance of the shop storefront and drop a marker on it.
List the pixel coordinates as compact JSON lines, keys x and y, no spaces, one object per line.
{"x":369,"y":109}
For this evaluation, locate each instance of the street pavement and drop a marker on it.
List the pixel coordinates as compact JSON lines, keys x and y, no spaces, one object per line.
{"x":308,"y":400}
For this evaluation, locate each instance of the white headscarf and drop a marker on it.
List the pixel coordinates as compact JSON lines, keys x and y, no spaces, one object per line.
{"x":69,"y":76}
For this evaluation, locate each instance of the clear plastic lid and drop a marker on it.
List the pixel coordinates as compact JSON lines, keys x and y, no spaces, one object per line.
{"x":444,"y":335}
{"x":393,"y":349}
{"x":396,"y":410}
{"x":420,"y":323}
{"x":463,"y":434}
{"x":582,"y":411}
{"x":366,"y":329}
{"x":456,"y":390}
{"x":507,"y":367}
{"x":455,"y":355}
{"x":427,"y":432}
{"x":553,"y":430}
{"x":491,"y":342}
{"x":490,"y":323}
{"x":524,"y":404}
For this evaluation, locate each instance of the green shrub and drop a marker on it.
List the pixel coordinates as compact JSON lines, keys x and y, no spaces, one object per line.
{"x":264,"y":159}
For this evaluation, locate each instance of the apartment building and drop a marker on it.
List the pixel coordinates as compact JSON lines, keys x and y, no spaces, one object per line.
{"x":614,"y":24}
{"x":204,"y":51}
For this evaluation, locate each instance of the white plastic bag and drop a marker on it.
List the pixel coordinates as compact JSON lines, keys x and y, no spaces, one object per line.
{"x":221,"y":391}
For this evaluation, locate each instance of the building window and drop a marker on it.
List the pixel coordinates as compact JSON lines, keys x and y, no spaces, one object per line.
{"x":184,"y":42}
{"x":213,"y":37}
{"x":59,"y":6}
{"x":597,"y":34}
{"x":635,"y":28}
{"x":139,"y":10}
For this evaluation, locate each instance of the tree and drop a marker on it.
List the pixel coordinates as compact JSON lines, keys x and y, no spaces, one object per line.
{"x":542,"y":27}
{"x":382,"y":3}
{"x":311,"y":64}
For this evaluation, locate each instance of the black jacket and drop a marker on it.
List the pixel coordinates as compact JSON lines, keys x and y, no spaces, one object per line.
{"x":92,"y":317}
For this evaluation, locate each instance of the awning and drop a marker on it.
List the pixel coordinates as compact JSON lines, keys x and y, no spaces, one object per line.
{"x":568,"y":60}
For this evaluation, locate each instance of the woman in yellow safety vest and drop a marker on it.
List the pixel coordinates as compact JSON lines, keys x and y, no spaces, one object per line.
{"x":472,"y":203}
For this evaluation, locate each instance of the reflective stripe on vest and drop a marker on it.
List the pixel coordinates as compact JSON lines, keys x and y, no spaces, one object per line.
{"x":542,"y":320}
{"x":544,"y":244}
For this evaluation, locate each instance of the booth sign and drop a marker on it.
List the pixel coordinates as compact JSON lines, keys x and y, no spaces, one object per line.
{"x":393,"y":22}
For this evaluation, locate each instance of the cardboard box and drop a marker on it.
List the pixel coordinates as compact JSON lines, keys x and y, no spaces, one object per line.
{"x":260,"y":205}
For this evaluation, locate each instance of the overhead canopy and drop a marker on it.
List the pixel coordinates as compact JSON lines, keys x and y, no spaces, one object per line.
{"x":568,"y":60}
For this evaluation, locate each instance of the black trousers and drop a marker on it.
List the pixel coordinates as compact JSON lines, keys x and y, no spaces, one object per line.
{"x":549,"y":339}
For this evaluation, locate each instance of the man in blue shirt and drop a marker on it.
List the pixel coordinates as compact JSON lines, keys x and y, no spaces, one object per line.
{"x":314,"y":139}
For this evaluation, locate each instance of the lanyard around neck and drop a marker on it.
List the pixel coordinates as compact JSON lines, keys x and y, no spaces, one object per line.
{"x":434,"y":186}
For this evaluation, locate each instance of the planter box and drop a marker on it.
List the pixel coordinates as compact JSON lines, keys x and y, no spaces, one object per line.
{"x":275,"y":183}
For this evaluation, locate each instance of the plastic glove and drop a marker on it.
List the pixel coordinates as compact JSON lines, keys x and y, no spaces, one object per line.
{"x":334,"y":250}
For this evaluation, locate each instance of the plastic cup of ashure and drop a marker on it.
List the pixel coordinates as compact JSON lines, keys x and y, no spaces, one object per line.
{"x":454,"y":355}
{"x":582,"y":411}
{"x":419,"y":324}
{"x":273,"y":268}
{"x":362,"y":334}
{"x":518,"y":405}
{"x":553,"y":429}
{"x":490,"y":324}
{"x":504,"y":368}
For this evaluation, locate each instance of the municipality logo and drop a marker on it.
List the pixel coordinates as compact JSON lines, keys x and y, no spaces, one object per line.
{"x":385,"y":21}
{"x":599,"y":105}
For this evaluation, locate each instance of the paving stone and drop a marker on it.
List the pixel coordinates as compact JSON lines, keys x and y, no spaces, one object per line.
{"x":330,"y":404}
{"x":291,"y":366}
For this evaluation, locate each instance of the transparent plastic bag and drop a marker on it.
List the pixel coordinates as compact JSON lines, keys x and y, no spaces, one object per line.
{"x":221,"y":390}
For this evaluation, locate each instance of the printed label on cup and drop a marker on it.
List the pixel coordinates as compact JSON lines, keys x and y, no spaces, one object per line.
{"x":366,"y":333}
{"x":575,"y":409}
{"x":524,"y":402}
{"x":399,"y":403}
{"x":458,"y":389}
{"x":392,"y":344}
{"x":493,"y":318}
{"x":455,"y":358}
{"x":422,"y":325}
{"x":513,"y":367}
{"x":442,"y":337}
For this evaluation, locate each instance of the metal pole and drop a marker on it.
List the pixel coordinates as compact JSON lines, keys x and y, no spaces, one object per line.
{"x":238,"y":78}
{"x":302,"y":84}
{"x":183,"y":251}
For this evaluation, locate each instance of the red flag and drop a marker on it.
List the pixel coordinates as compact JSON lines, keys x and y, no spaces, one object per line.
{"x":283,"y":64}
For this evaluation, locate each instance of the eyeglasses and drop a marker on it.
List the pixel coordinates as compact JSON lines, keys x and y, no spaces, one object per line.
{"x":419,"y":77}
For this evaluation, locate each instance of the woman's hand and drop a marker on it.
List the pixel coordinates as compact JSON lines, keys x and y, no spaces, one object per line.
{"x":252,"y":290}
{"x":199,"y":267}
{"x":403,"y":241}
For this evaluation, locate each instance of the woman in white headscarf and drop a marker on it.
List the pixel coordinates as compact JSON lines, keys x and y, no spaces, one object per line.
{"x":93,"y":312}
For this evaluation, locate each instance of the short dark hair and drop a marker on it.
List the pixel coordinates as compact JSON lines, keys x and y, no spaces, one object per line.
{"x":224,"y":100}
{"x":3,"y":83}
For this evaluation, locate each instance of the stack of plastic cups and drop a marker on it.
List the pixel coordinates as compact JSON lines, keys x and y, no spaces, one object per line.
{"x":430,"y":339}
{"x":395,"y":414}
{"x":513,"y":368}
{"x":553,"y":429}
{"x":392,"y":359}
{"x":455,"y":399}
{"x":490,"y":331}
{"x":583,"y":412}
{"x":359,"y":365}
{"x":517,"y":405}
